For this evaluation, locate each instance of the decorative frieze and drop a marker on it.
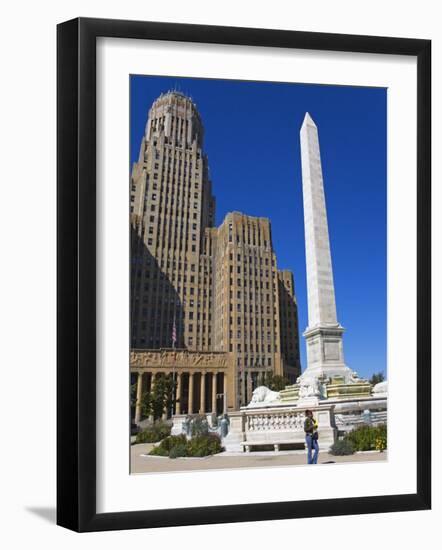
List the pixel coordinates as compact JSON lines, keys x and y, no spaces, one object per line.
{"x":177,"y":358}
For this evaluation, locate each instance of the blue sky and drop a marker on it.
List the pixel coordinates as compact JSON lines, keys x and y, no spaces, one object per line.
{"x":252,"y":142}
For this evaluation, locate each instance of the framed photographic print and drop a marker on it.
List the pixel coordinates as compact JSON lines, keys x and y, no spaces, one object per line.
{"x":243,"y":274}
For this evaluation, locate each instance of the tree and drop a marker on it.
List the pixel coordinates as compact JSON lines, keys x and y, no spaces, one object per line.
{"x":133,"y":395}
{"x":275,"y":382}
{"x":146,"y":404}
{"x":162,"y":396}
{"x":376,"y":378}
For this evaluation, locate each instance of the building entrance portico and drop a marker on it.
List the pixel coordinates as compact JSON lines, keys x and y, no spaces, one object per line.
{"x":201,"y":378}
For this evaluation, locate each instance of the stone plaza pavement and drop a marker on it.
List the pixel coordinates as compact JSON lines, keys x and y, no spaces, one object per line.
{"x":153,"y":464}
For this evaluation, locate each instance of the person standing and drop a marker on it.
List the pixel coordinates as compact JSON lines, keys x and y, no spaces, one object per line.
{"x":311,"y":437}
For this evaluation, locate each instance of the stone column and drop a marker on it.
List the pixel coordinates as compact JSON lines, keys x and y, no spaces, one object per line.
{"x":203,"y":393}
{"x":225,"y":406}
{"x":139,"y":395}
{"x":249,"y":387}
{"x":165,"y":411}
{"x":152,"y":385}
{"x":214,"y":392}
{"x":190,"y":407}
{"x":178,"y":395}
{"x":243,"y":389}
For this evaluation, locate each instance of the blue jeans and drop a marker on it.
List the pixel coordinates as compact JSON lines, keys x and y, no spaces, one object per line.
{"x":312,"y":444}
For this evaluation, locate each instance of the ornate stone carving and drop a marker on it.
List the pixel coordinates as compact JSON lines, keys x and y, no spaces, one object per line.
{"x":262,"y":396}
{"x":177,"y":358}
{"x":381,"y":388}
{"x":275,"y":422}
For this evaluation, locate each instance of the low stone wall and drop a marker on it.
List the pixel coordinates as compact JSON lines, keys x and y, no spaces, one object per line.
{"x":281,"y":424}
{"x":276,"y":426}
{"x":350,"y":414}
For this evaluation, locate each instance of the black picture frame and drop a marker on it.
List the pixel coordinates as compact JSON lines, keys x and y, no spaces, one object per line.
{"x":76,"y":273}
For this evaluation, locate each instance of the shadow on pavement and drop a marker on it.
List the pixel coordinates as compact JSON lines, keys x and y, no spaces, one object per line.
{"x":48,"y":514}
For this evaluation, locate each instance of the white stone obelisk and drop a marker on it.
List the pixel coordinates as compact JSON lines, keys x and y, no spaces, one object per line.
{"x":325,"y":355}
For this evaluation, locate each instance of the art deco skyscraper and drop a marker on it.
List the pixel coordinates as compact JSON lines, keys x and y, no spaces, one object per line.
{"x":220,"y":287}
{"x":246,"y":308}
{"x":171,"y":205}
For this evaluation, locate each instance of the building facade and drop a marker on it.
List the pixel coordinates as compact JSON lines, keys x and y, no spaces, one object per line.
{"x":196,"y":287}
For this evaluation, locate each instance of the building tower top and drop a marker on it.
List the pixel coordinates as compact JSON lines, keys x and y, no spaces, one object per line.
{"x":176,"y":116}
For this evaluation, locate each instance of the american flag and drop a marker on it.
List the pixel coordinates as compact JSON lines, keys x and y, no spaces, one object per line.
{"x":174,"y":333}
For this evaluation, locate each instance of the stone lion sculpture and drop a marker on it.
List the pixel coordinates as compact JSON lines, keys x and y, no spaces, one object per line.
{"x":380,"y":388}
{"x":263,"y":395}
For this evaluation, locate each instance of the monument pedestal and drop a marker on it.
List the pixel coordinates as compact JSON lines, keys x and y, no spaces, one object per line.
{"x":234,"y":439}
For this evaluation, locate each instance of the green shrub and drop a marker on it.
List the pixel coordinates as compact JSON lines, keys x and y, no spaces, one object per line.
{"x":166,"y":445}
{"x":342,"y":447}
{"x":154,"y":433}
{"x":178,"y":450}
{"x":381,"y":438}
{"x":159,"y":451}
{"x":368,"y":438}
{"x":204,"y":445}
{"x":177,"y":445}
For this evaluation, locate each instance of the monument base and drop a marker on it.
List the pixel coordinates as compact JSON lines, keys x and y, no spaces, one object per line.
{"x":177,"y":427}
